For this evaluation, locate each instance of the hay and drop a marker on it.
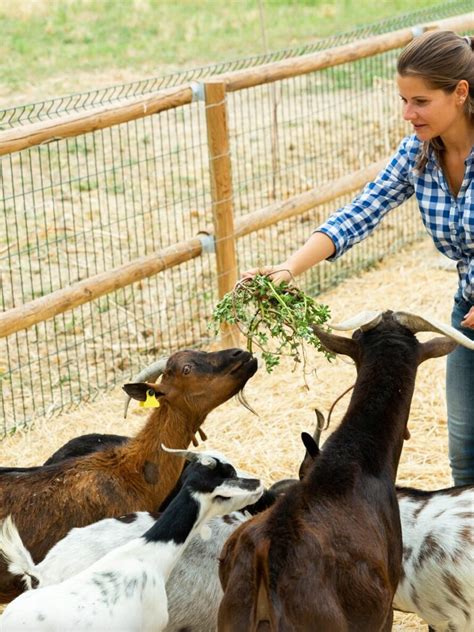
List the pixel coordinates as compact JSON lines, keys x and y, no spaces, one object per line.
{"x":269,"y":445}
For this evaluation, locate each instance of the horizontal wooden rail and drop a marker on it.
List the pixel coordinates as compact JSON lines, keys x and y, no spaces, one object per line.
{"x":62,"y":300}
{"x":71,"y":125}
{"x":68,"y":298}
{"x":295,"y":66}
{"x":25,"y":136}
{"x":303,"y":202}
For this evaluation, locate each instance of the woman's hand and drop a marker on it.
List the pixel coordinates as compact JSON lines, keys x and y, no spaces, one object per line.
{"x":277,"y":274}
{"x":468,"y":319}
{"x":318,"y":247}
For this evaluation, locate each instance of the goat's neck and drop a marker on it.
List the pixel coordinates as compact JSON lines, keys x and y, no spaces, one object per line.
{"x":164,"y":426}
{"x":171,"y":533}
{"x":373,"y":427}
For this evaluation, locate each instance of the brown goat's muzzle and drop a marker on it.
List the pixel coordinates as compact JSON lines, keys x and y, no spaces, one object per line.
{"x":247,"y":366}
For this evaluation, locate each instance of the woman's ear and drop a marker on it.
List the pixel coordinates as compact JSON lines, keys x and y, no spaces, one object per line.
{"x":462,"y":91}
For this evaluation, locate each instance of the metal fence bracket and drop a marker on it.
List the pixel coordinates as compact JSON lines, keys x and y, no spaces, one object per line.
{"x":208,"y":242}
{"x":197,"y":88}
{"x":417,"y":30}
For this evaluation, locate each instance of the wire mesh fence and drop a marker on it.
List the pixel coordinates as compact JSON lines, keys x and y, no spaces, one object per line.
{"x":80,"y":206}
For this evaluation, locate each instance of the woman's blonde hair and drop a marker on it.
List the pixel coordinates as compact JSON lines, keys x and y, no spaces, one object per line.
{"x":442,"y":59}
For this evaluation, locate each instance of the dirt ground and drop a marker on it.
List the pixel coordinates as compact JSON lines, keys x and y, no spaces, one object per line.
{"x":416,"y":279}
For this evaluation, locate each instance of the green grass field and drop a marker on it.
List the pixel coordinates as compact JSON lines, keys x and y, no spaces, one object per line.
{"x":51,"y":47}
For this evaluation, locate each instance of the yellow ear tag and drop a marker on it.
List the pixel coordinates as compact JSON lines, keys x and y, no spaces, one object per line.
{"x":151,"y":401}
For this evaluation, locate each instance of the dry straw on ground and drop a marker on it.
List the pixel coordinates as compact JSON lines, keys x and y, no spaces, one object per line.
{"x":415,"y":279}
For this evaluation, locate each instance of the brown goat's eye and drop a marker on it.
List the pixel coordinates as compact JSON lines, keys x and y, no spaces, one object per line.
{"x":186,"y":369}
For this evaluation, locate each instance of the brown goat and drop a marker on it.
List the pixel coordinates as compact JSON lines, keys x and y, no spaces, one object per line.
{"x":327,"y":556}
{"x":136,"y":476}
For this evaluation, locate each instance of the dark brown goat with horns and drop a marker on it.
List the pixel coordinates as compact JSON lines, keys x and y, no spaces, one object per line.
{"x":327,"y":556}
{"x":48,"y":501}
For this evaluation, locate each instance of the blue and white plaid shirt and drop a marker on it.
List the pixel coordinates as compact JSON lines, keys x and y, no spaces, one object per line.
{"x":449,"y":220}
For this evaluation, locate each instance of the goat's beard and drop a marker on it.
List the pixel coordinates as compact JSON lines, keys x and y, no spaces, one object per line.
{"x":242,"y":399}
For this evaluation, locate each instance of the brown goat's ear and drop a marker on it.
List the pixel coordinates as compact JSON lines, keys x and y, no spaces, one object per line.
{"x":138,"y":390}
{"x":436,"y":347}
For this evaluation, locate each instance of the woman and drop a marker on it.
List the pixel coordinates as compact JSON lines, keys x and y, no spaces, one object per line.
{"x":435,"y":76}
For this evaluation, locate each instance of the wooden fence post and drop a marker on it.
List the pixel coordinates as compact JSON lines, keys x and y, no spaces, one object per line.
{"x":221,"y":192}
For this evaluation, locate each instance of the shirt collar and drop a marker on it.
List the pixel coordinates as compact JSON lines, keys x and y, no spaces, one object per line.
{"x":432,"y":159}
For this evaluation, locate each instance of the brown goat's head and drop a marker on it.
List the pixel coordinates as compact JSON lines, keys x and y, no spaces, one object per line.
{"x":195,"y":382}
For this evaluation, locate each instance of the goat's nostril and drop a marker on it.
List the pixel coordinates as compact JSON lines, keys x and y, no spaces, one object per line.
{"x":237,"y":352}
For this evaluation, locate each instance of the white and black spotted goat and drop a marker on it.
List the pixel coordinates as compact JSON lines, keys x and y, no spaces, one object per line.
{"x":125,"y":589}
{"x":193,"y":587}
{"x":437,"y":579}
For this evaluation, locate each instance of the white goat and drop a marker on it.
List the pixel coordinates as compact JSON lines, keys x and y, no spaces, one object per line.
{"x":437,"y":580}
{"x":125,"y":589}
{"x":193,"y":588}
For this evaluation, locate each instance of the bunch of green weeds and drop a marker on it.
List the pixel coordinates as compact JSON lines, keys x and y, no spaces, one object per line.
{"x":276,"y":318}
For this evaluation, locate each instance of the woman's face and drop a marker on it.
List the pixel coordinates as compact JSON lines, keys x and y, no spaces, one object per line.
{"x":431,"y":112}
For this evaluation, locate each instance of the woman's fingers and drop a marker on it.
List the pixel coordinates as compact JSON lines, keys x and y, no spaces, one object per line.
{"x":468,"y":319}
{"x":279,"y":276}
{"x":265,"y":270}
{"x":275,"y":273}
{"x":249,"y":274}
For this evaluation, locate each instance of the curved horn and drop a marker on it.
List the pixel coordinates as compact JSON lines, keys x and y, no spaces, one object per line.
{"x":152,"y":371}
{"x":192,"y":457}
{"x":364,"y":320}
{"x":417,"y":323}
{"x":148,"y":374}
{"x":189,"y":455}
{"x":320,"y":425}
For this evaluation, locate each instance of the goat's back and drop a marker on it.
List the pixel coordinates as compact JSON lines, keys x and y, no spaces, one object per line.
{"x":340,"y":551}
{"x":74,"y":493}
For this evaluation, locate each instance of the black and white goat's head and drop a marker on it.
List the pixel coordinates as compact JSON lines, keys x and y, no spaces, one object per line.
{"x":215,"y":485}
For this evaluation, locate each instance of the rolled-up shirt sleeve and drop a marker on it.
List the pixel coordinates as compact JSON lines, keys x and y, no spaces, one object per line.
{"x":355,"y":221}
